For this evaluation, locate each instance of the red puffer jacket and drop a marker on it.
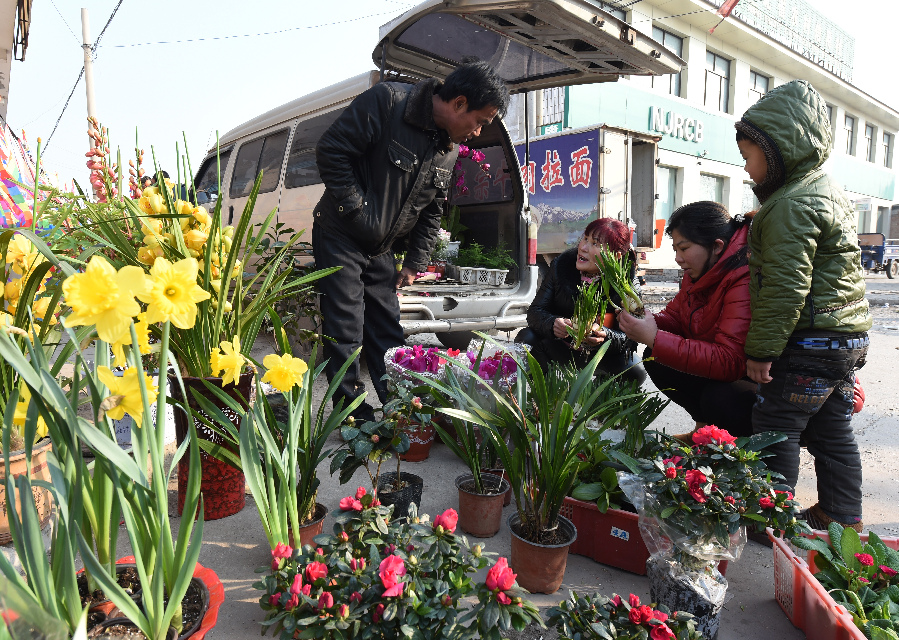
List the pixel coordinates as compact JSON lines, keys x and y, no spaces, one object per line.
{"x":703,"y":330}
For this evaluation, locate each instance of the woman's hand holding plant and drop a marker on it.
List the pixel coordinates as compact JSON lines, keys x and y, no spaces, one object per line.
{"x":560,"y":327}
{"x":642,"y":330}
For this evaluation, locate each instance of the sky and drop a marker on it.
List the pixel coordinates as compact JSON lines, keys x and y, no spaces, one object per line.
{"x":194,"y":67}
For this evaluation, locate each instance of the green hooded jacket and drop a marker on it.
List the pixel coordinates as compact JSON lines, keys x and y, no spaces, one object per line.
{"x":805,"y":265}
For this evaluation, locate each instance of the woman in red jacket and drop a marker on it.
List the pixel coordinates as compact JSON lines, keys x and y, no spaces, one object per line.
{"x":696,"y":342}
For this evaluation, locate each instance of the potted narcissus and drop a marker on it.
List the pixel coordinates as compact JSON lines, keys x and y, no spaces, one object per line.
{"x":219,"y":303}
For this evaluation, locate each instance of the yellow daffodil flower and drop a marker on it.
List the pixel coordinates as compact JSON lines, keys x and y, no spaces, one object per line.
{"x":229,"y":362}
{"x":39,"y":308}
{"x":128,"y":387}
{"x":142,"y":327}
{"x":13,"y":290}
{"x":202,"y":216}
{"x":195,"y":239}
{"x":148,"y":255}
{"x":283,"y":372}
{"x":104,"y":297}
{"x":22,"y":411}
{"x":22,"y":254}
{"x":174,"y":293}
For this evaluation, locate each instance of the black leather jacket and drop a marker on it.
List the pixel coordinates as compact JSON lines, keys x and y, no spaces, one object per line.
{"x":387,"y":170}
{"x":556,"y":296}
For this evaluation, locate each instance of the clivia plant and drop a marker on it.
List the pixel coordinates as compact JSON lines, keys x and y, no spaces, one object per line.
{"x":601,"y":618}
{"x":377,"y":577}
{"x":863,"y":577}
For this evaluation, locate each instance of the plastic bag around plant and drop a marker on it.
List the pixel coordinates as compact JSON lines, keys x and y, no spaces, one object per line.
{"x":700,"y":592}
{"x":668,"y":542}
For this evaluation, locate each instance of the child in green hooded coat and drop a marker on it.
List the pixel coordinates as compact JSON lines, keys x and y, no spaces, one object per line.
{"x":810,"y":318}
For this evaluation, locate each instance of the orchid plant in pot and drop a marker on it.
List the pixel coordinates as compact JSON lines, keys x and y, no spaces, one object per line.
{"x":381,"y":577}
{"x":546,"y":432}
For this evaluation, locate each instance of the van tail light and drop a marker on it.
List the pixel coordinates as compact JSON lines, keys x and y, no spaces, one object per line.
{"x":532,"y":243}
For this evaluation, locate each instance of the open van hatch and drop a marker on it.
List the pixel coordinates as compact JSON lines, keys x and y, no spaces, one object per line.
{"x":533,"y":44}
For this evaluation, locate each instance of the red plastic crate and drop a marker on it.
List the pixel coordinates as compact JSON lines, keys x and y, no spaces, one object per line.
{"x":611,"y":538}
{"x":805,"y":601}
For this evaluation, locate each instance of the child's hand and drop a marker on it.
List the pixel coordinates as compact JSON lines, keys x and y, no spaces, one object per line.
{"x":759,"y":371}
{"x":642,"y":330}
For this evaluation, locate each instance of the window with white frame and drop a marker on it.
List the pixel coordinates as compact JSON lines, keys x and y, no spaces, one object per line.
{"x":888,"y":150}
{"x":758,"y":86}
{"x":670,"y":82}
{"x":711,"y":188}
{"x":717,"y":80}
{"x":849,"y":128}
{"x":870,"y":149}
{"x":553,"y":106}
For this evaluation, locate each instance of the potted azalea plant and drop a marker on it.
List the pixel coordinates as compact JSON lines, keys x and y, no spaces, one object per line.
{"x":695,"y":503}
{"x":600,"y":617}
{"x":383,"y":577}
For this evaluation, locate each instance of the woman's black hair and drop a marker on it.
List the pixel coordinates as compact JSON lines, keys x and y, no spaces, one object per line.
{"x":705,"y":222}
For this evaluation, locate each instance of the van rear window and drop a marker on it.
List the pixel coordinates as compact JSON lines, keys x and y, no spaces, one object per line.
{"x":207,"y":176}
{"x":263,"y":154}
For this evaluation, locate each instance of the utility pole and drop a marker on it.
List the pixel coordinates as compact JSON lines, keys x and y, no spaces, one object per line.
{"x":88,"y":67}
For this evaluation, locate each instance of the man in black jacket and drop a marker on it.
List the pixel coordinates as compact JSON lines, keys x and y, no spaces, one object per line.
{"x":386,"y":163}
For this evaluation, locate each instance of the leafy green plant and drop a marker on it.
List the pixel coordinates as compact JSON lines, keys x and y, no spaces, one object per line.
{"x":616,"y":275}
{"x":499,"y":257}
{"x":471,"y":255}
{"x":863,"y":577}
{"x":451,"y":222}
{"x":588,"y":306}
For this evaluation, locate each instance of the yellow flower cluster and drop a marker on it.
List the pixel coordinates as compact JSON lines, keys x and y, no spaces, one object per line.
{"x":227,"y":362}
{"x":23,"y":257}
{"x":104,"y":297}
{"x":195,"y":225}
{"x":284,"y":372}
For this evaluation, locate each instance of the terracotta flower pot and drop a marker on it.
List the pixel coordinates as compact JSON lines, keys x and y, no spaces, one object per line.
{"x":311,"y":529}
{"x":540,"y":567}
{"x":608,"y":320}
{"x":18,"y":465}
{"x":481,"y":514}
{"x":421,"y":437}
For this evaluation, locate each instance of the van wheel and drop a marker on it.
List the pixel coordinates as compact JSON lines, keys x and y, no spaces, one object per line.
{"x":892,"y":268}
{"x":456,"y":339}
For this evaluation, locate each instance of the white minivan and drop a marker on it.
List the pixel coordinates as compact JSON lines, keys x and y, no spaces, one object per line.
{"x":533,"y":44}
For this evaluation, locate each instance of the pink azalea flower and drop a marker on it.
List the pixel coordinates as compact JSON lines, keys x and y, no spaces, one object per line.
{"x":448,"y":520}
{"x":662,"y":632}
{"x":356,"y":597}
{"x":502,"y":598}
{"x":360,"y":492}
{"x":500,"y":576}
{"x":616,"y":601}
{"x":695,"y":480}
{"x":865,"y":559}
{"x":274,"y":599}
{"x":378,"y":612}
{"x":297,"y":586}
{"x":390,"y":570}
{"x":325,"y":601}
{"x":315,"y":570}
{"x":766,"y":502}
{"x":633,"y":600}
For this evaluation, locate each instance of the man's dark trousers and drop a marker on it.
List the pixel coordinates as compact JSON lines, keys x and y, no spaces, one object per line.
{"x":359,"y":307}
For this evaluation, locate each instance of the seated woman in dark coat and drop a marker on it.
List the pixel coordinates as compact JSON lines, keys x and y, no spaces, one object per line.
{"x":550,"y":312}
{"x":696,"y":341}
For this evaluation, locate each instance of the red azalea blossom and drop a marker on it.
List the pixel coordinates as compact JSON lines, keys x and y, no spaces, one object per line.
{"x":887,"y":571}
{"x":670,"y":472}
{"x":865,"y":559}
{"x":343,"y":611}
{"x":662,"y":632}
{"x":661,"y":616}
{"x":282,"y":550}
{"x":789,"y":495}
{"x":274,"y":599}
{"x":673,"y":460}
{"x":360,"y":492}
{"x":357,"y":565}
{"x":633,"y":600}
{"x":356,"y":597}
{"x":325,"y":601}
{"x":729,"y":499}
{"x":695,"y":480}
{"x":616,"y":601}
{"x":297,"y":586}
{"x":645,"y":613}
{"x":500,"y":576}
{"x":502,"y":598}
{"x":293,"y":602}
{"x":307,"y":589}
{"x":448,"y":520}
{"x":350,"y":504}
{"x":766,"y":502}
{"x":634,"y":615}
{"x":390,"y":569}
{"x":315,"y":570}
{"x":713,"y":435}
{"x":378,"y":612}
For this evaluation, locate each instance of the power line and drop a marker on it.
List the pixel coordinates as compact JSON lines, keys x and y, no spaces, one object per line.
{"x":65,"y":22}
{"x":253,"y":35}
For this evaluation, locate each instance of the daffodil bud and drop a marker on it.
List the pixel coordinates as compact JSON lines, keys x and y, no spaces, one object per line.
{"x":228,"y":231}
{"x":227,"y":307}
{"x":217,"y":286}
{"x":226,"y":242}
{"x":193,"y":253}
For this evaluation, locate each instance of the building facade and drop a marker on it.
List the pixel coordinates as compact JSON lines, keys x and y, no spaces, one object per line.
{"x":763,"y":44}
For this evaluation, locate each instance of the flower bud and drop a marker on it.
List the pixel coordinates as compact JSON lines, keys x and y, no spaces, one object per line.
{"x":476,"y":551}
{"x":375,"y":438}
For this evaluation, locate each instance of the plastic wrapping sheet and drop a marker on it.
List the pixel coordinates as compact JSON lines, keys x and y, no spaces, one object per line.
{"x":666,"y":541}
{"x":428,"y":361}
{"x":508,"y":376}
